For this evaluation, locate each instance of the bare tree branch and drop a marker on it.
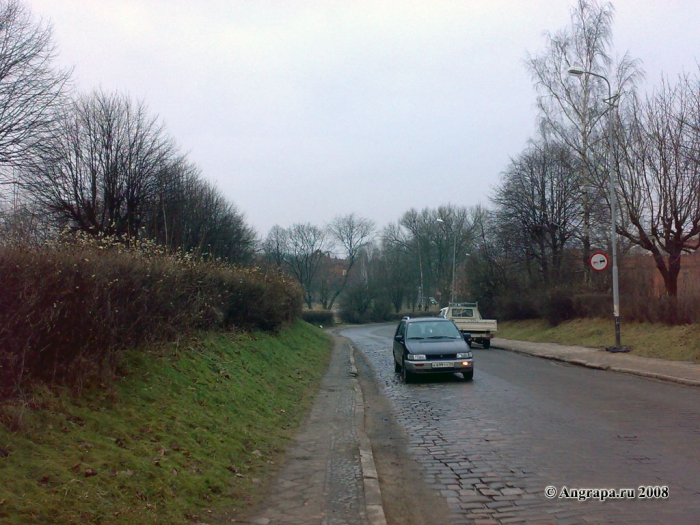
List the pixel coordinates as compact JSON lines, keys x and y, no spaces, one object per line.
{"x":32,"y":90}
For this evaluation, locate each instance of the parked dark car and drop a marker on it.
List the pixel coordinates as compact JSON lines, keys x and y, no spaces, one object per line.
{"x":429,"y":345}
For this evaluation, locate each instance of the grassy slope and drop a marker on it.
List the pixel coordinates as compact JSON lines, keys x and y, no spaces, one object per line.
{"x":191,"y":432}
{"x":645,"y":339}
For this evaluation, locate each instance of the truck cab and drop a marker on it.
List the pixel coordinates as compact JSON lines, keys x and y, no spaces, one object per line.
{"x":468,"y":319}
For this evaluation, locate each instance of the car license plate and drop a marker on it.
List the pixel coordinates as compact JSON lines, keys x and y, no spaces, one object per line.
{"x":443,"y":365}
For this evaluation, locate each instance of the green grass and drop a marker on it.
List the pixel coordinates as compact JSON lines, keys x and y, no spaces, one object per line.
{"x":192,"y":432}
{"x":650,"y":340}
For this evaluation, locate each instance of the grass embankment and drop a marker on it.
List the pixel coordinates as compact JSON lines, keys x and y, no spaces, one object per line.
{"x":644,"y":339}
{"x":190,"y":433}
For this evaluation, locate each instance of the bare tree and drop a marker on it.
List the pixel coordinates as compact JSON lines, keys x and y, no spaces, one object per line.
{"x":307,"y":246}
{"x":352,"y":233}
{"x":537,"y":207}
{"x":659,"y":175}
{"x":212,"y":226}
{"x":111,"y":169}
{"x":398,"y":281}
{"x":489,"y":273}
{"x":101,"y":168}
{"x":441,"y":237}
{"x":275,"y":247}
{"x":168,"y":213}
{"x":21,"y":221}
{"x":401,"y":250}
{"x":573,"y":109}
{"x":32,"y":90}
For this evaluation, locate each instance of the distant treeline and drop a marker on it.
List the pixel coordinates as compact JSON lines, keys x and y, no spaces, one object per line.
{"x":600,"y":140}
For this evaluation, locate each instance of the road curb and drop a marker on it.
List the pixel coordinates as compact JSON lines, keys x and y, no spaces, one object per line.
{"x":603,"y":366}
{"x":373,"y":495}
{"x":652,"y":375}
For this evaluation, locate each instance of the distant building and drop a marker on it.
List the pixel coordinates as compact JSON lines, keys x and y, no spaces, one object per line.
{"x":639,"y":272}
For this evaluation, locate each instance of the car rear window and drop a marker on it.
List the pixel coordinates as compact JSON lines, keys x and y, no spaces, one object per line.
{"x":462,"y":312}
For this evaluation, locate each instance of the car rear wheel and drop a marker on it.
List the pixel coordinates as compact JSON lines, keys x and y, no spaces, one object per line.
{"x":487,"y":344}
{"x":405,"y":374}
{"x":468,"y":376}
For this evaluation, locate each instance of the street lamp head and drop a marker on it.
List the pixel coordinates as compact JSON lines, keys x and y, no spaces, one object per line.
{"x":577,"y":71}
{"x":439,"y":220}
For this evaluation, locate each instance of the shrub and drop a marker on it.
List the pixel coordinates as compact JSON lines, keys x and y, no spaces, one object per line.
{"x":318,"y":318}
{"x":381,"y":310}
{"x":559,"y":306}
{"x":664,"y":309}
{"x":355,"y":304}
{"x":517,"y":308}
{"x":351,"y":316}
{"x":66,"y":311}
{"x":593,"y":305}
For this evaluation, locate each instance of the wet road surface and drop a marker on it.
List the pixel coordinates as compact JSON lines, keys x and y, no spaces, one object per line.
{"x":490,"y":447}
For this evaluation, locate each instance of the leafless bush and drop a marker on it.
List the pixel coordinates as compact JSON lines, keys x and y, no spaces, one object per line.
{"x":67,"y":311}
{"x":640,"y":308}
{"x":664,"y":309}
{"x":593,"y":305}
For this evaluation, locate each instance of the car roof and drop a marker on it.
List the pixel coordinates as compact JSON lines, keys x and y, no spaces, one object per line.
{"x":425,"y":319}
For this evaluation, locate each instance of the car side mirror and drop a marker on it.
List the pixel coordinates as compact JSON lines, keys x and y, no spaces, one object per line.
{"x":399,"y":338}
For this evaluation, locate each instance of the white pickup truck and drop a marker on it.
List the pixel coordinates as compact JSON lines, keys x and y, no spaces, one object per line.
{"x":468,"y":319}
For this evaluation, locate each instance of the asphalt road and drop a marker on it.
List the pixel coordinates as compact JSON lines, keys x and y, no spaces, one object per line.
{"x":489,"y":448}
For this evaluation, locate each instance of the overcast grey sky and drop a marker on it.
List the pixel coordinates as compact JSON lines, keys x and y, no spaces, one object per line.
{"x":303,"y":110}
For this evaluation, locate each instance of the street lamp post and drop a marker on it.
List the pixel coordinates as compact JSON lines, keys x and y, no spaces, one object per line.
{"x":420,"y":266}
{"x":454,"y":264}
{"x":611,"y":101}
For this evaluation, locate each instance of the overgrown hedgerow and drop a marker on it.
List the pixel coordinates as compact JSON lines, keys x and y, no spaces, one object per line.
{"x":67,"y":310}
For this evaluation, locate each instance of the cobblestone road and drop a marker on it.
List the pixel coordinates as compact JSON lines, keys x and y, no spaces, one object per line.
{"x":491,"y":446}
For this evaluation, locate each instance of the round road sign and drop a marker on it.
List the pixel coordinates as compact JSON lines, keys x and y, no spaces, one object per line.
{"x":599,"y":261}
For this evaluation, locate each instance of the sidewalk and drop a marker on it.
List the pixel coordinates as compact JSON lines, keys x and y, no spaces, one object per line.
{"x":329,"y":476}
{"x":683,"y":372}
